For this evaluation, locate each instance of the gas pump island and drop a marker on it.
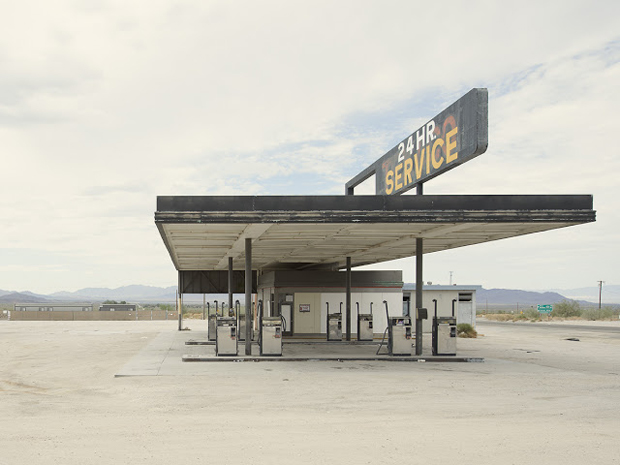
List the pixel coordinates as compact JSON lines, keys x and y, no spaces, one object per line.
{"x":292,"y":256}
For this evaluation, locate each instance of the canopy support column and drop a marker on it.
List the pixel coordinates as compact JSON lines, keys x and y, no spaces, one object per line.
{"x":179,"y":303}
{"x":419,"y":284}
{"x":230,"y":284}
{"x":248,"y":296}
{"x":348,"y":317}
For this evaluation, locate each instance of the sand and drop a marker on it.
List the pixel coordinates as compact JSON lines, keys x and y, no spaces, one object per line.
{"x":537,"y":398}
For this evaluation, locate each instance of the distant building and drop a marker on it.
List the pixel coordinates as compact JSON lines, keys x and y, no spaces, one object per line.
{"x":52,"y":307}
{"x":118,"y":308}
{"x":462,"y":297}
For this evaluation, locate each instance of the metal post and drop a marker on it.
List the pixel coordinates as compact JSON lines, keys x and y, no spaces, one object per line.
{"x":204,"y":297}
{"x":419,"y":284}
{"x":180,"y":304}
{"x":180,"y":311}
{"x":348,"y":300}
{"x":230,"y":282}
{"x":248,"y":295}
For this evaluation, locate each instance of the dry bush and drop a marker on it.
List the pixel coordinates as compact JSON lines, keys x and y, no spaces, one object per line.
{"x":466,"y":330}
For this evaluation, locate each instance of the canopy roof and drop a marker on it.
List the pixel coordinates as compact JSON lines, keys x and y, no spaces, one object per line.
{"x":320,"y":232}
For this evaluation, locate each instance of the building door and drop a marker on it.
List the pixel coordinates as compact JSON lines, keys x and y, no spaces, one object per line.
{"x":307,"y":313}
{"x":286,"y":309}
{"x":465,"y":312}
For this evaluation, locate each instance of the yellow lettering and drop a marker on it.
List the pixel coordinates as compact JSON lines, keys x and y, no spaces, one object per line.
{"x":389,"y":182}
{"x":419,"y":159}
{"x":450,"y":145}
{"x":436,"y":163}
{"x":398,"y":176}
{"x":428,"y":159}
{"x":408,"y":169}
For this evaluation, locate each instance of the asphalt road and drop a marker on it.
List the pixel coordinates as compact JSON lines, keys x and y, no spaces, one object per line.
{"x":599,"y":330}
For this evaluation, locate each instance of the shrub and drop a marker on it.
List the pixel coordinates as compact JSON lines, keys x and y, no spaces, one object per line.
{"x":566,"y":309}
{"x":466,"y":330}
{"x":532,"y":314}
{"x":604,"y":313}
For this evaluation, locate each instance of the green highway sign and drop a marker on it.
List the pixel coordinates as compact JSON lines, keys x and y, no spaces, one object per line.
{"x":545,"y":308}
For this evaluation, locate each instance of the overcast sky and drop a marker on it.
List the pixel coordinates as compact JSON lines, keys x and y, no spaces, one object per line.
{"x":106,"y":104}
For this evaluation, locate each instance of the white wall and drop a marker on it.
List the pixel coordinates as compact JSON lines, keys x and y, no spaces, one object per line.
{"x":444,"y":306}
{"x":394,"y":300}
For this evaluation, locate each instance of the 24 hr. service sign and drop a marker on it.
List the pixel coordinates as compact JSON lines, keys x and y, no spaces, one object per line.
{"x":454,"y":136}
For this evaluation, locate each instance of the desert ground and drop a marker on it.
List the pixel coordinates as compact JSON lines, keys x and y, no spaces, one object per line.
{"x":538,"y":397}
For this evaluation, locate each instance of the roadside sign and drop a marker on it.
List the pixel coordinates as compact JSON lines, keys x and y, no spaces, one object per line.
{"x":545,"y":308}
{"x":453,"y":137}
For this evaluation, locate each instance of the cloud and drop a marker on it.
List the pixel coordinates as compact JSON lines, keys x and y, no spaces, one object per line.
{"x":105,"y":105}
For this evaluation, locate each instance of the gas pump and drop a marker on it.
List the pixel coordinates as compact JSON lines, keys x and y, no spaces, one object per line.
{"x":364,"y":324}
{"x":226,"y":336}
{"x":285,"y":312}
{"x":270,"y":333}
{"x":240,"y":320}
{"x":334,"y":324}
{"x":212,"y":322}
{"x":399,"y":333}
{"x":444,"y":333}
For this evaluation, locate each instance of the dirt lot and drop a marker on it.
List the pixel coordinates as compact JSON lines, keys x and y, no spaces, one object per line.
{"x":537,"y":398}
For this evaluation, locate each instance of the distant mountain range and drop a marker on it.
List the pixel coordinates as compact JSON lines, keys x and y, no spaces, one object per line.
{"x":133,"y":293}
{"x":21,"y":297}
{"x":513,"y":296}
{"x":611,"y":293}
{"x":146,"y":294}
{"x":129,"y":293}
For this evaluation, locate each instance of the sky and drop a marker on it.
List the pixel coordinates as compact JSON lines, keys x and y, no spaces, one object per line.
{"x":104,"y":105}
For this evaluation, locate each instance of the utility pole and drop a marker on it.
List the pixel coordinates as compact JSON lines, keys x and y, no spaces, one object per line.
{"x":600,"y":293}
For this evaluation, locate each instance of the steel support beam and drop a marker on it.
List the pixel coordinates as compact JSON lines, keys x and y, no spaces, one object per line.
{"x":419,"y":284}
{"x":248,"y":295}
{"x":230,"y":282}
{"x":348,"y":317}
{"x":180,"y":304}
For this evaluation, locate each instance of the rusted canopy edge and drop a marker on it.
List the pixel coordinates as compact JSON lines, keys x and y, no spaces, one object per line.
{"x":363,"y":205}
{"x":433,"y":216}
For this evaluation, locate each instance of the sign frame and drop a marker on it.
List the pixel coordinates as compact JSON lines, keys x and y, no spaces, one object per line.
{"x":545,"y":308}
{"x":456,"y":135}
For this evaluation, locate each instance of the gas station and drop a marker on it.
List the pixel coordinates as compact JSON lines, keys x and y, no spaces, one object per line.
{"x":293,"y":256}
